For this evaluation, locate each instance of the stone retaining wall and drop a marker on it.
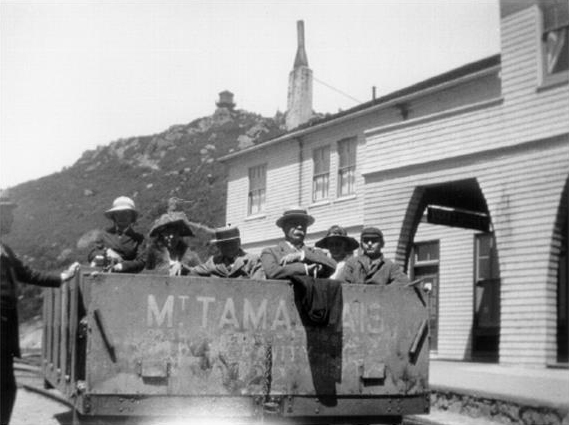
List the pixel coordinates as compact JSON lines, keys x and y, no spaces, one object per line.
{"x":505,"y":412}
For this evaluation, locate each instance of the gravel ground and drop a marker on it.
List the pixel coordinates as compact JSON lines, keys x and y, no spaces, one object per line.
{"x":34,"y":409}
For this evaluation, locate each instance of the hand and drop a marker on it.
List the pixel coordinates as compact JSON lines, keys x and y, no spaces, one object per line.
{"x":113,"y":255}
{"x":293,"y":257}
{"x":117,"y":268}
{"x":69,"y":272}
{"x":313,"y":269}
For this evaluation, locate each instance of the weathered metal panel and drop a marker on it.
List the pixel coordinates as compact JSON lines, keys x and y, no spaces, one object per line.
{"x":193,"y":336}
{"x":157,"y":345}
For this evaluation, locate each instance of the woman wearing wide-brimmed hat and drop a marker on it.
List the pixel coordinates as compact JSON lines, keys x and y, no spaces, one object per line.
{"x":339,"y":245}
{"x":168,"y":253}
{"x":119,"y":247}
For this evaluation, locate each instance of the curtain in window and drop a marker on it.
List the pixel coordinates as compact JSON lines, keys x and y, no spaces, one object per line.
{"x":347,"y":167}
{"x":257,"y":184}
{"x":321,"y":177}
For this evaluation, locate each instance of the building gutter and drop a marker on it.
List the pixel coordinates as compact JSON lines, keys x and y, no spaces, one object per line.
{"x":372,"y":108}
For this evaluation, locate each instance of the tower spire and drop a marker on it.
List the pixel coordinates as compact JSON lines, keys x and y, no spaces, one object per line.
{"x":299,"y":104}
{"x":301,"y":58}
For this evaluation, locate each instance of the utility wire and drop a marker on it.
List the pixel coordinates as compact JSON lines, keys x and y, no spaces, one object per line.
{"x":336,"y":90}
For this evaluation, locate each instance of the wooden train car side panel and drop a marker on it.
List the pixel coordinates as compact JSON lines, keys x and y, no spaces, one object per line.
{"x":155,"y":345}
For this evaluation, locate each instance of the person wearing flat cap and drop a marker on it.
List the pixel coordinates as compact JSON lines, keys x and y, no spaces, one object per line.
{"x":119,"y":247}
{"x":167,"y":252}
{"x":292,"y":257}
{"x":12,"y":271}
{"x":371,"y":267}
{"x":339,"y":245}
{"x":232,"y":261}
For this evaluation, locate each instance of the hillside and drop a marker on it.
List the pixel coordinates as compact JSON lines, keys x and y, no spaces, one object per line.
{"x":59,"y":214}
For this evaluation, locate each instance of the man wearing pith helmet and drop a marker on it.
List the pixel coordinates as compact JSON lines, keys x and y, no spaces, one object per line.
{"x":232,"y":261}
{"x":119,"y":247}
{"x":371,"y":267}
{"x":12,"y":272}
{"x":292,"y":257}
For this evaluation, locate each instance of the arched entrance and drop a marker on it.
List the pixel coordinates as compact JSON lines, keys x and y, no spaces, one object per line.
{"x":562,"y":235}
{"x":457,"y":204}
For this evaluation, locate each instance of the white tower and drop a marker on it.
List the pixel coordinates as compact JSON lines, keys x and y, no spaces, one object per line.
{"x":299,"y":107}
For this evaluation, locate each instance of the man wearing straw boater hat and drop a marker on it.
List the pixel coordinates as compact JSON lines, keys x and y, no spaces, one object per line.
{"x":12,"y":270}
{"x":232,"y":261}
{"x":292,"y":257}
{"x":371,"y":267}
{"x":119,"y":247}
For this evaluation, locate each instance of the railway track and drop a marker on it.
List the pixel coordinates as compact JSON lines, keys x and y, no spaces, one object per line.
{"x":29,"y":378}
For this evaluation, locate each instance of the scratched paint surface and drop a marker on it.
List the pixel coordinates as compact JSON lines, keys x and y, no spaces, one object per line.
{"x":199,"y":336}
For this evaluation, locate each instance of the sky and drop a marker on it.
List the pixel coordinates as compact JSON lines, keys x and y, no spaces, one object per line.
{"x":78,"y":74}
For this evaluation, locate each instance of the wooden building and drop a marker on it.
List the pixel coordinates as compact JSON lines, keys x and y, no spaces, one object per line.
{"x":467,"y":175}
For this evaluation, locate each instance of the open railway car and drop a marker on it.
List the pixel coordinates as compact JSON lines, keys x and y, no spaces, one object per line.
{"x":121,"y":346}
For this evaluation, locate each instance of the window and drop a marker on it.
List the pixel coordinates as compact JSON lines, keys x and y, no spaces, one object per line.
{"x":321,"y":176}
{"x":347,"y":167}
{"x":555,"y":41}
{"x":426,"y":267}
{"x":486,"y":258}
{"x":257,"y":188}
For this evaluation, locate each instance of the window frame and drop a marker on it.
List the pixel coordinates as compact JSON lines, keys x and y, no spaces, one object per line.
{"x":344,"y":170}
{"x":321,"y":173}
{"x":257,"y":191}
{"x":546,"y":78}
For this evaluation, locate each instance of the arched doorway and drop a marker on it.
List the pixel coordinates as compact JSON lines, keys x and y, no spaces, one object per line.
{"x":457,"y":204}
{"x":562,"y":235}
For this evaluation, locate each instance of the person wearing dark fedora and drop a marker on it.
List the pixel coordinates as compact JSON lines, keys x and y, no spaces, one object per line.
{"x":119,"y":247}
{"x":168,"y":252}
{"x":13,"y":270}
{"x":292,"y":257}
{"x":232,"y":261}
{"x":339,"y":245}
{"x":371,"y":267}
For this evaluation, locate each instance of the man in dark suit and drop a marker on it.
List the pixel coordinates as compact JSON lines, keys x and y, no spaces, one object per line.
{"x":371,"y":267}
{"x":292,"y":257}
{"x":12,"y":270}
{"x":232,"y":261}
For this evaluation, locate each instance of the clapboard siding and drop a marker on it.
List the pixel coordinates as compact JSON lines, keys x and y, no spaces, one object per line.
{"x":455,"y":288}
{"x":282,"y":184}
{"x":522,"y":191}
{"x":500,"y":128}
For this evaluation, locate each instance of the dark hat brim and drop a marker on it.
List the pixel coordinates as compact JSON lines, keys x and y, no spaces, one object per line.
{"x":173,"y":219}
{"x":295,"y":216}
{"x":351,"y":243}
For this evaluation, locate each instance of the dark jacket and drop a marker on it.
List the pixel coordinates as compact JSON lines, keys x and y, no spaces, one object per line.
{"x":271,"y":257}
{"x":127,"y":244}
{"x":12,"y":270}
{"x":245,"y":266}
{"x":381,"y":271}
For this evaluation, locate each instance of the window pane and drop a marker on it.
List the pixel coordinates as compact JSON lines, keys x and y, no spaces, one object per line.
{"x":346,"y":166}
{"x":427,"y":251}
{"x":346,"y":181}
{"x":320,"y":179}
{"x":556,"y":46}
{"x":257,"y":181}
{"x":347,"y":153}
